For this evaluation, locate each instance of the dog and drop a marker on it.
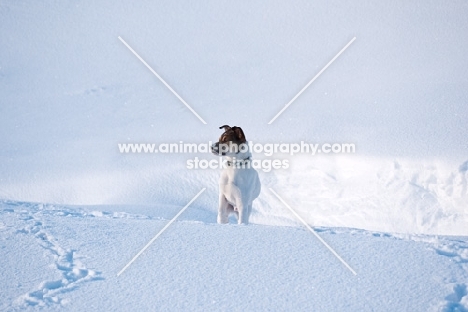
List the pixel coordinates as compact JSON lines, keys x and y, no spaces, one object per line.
{"x":239,"y":184}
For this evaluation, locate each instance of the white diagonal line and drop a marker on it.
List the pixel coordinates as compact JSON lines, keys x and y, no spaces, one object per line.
{"x":160,"y":232}
{"x":162,"y":80}
{"x":310,"y":82}
{"x":313,"y":232}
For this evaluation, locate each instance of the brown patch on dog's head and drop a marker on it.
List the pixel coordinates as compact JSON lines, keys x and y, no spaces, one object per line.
{"x":232,"y":134}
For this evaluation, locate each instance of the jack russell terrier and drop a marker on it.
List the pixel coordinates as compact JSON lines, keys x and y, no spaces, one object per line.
{"x":239,"y":184}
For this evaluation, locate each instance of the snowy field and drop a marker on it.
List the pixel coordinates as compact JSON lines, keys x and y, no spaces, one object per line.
{"x":62,"y":257}
{"x":74,"y":210}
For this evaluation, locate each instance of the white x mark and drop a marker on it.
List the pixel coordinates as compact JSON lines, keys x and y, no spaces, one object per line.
{"x":160,"y":232}
{"x":310,"y":82}
{"x":313,"y":232}
{"x":162,"y":80}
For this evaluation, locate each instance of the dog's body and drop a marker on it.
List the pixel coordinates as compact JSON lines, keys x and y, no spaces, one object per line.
{"x":239,"y":184}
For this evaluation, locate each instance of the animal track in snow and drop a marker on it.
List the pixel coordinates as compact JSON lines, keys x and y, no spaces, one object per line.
{"x":73,"y":272}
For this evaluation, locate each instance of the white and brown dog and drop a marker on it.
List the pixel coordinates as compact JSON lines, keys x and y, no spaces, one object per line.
{"x":239,"y":184}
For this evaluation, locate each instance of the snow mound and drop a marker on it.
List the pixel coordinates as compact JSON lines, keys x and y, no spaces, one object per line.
{"x":403,"y":196}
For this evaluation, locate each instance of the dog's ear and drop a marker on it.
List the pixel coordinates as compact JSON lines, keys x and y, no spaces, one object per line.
{"x":239,"y":134}
{"x":225,"y":137}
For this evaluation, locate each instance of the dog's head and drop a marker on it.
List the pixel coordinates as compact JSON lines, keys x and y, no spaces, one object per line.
{"x":230,"y":142}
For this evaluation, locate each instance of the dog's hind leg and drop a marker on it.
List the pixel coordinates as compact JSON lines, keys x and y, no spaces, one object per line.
{"x":249,"y":212}
{"x":223,"y":212}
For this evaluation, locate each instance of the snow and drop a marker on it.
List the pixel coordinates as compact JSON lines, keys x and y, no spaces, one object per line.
{"x":74,"y":210}
{"x":200,"y":265}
